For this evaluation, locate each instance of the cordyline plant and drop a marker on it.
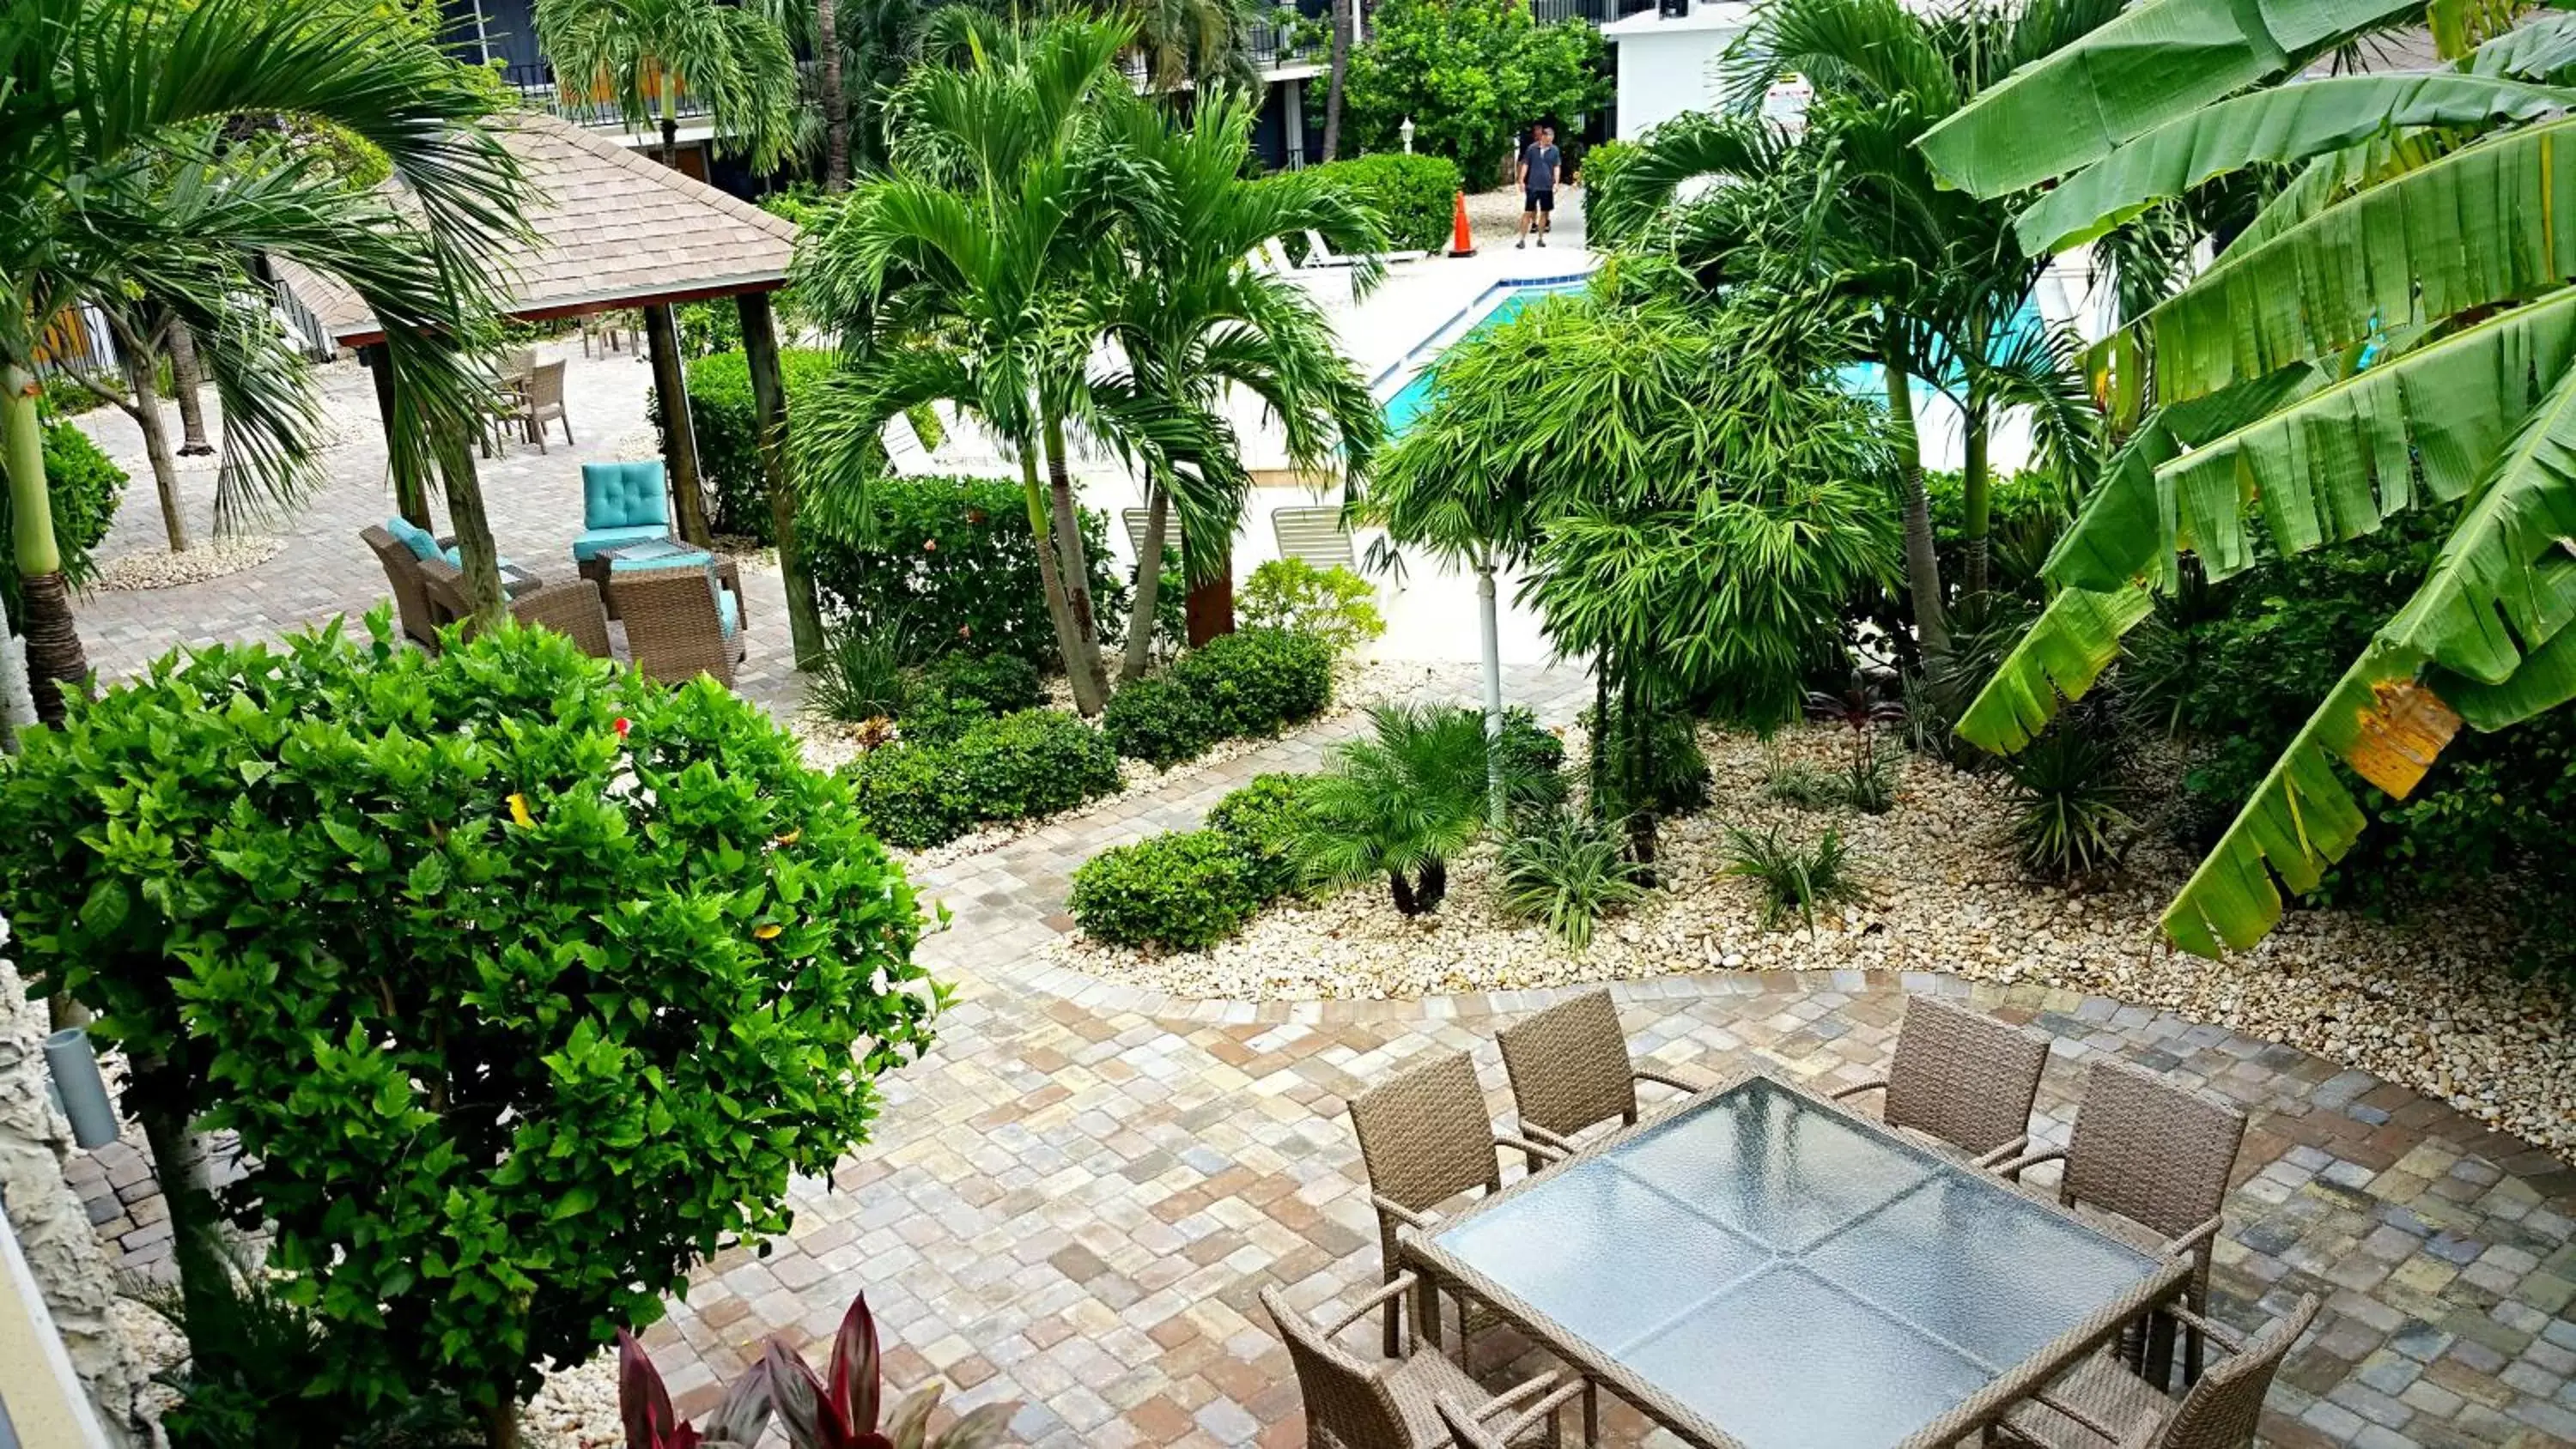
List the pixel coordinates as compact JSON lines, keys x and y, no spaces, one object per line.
{"x":644,"y":1406}
{"x":841,"y":1409}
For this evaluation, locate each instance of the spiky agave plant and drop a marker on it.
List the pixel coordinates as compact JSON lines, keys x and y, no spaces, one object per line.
{"x":645,"y":1406}
{"x":841,"y":1409}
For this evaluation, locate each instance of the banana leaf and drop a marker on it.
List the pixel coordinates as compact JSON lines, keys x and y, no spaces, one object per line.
{"x":2484,"y":639}
{"x":2481,"y":226}
{"x":2290,"y":123}
{"x":2338,"y":174}
{"x":2157,"y":63}
{"x":2069,"y":645}
{"x":2543,"y":48}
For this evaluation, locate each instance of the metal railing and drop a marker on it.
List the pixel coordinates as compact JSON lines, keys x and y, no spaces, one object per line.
{"x":1599,"y":12}
{"x":536,"y":83}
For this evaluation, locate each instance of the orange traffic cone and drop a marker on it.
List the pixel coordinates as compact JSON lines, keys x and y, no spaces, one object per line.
{"x":1462,"y":242}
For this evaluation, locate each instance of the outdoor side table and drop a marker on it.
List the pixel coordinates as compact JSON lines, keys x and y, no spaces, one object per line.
{"x":1762,"y":1269}
{"x":601,"y":568}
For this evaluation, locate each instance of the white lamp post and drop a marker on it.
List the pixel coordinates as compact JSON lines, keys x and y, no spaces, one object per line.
{"x":1406,"y":132}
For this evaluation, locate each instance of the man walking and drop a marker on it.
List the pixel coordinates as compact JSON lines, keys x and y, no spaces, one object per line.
{"x":1539,"y":161}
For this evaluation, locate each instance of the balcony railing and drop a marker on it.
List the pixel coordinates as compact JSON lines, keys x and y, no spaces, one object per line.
{"x":537,"y":84}
{"x":1599,"y":12}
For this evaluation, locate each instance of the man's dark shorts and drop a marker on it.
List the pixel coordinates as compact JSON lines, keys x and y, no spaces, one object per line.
{"x":1538,"y":201}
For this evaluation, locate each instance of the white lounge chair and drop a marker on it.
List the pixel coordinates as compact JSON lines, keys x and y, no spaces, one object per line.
{"x":1320,"y":253}
{"x":1314,"y":536}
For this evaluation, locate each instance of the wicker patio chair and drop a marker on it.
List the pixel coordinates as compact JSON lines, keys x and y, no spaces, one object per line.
{"x":1570,"y":1070}
{"x":1425,"y":1139}
{"x":2157,"y":1159}
{"x":674,"y":630}
{"x":1961,"y":1078}
{"x":571,"y":608}
{"x":412,"y":603}
{"x":1487,"y":1428}
{"x":2099,"y":1404}
{"x":541,"y":401}
{"x":1391,"y":1404}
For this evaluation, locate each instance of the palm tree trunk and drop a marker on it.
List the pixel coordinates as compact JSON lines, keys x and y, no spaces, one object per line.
{"x":473,"y":530}
{"x":1068,"y":639}
{"x":55,"y":663}
{"x":1434,"y":887}
{"x":146,"y":412}
{"x":1076,"y":568}
{"x":1149,"y":585}
{"x":186,"y":377}
{"x":670,"y":119}
{"x":836,"y":106}
{"x":1977,"y":503}
{"x":1401,"y":890}
{"x":1341,"y":62}
{"x":501,"y":1421}
{"x":1922,"y":565}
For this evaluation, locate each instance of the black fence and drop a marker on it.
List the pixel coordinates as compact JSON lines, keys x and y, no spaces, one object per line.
{"x":536,"y":82}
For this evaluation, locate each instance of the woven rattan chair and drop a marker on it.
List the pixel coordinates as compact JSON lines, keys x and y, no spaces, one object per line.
{"x":1503,"y":1423}
{"x":1425,"y":1139}
{"x":2099,"y":1403}
{"x":1394,"y":1403}
{"x":420,"y":616}
{"x":541,"y":401}
{"x":1570,"y":1070}
{"x":2157,"y":1159}
{"x":1961,"y":1078}
{"x":674,"y":631}
{"x":571,"y":608}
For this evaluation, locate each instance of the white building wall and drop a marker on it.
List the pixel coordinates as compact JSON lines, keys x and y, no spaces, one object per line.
{"x":1664,"y":72}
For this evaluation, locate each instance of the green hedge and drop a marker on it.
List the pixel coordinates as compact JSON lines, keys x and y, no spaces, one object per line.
{"x":728,"y":432}
{"x":1036,"y":762}
{"x":84,"y":486}
{"x":953,"y":560}
{"x":1160,"y":721}
{"x":1262,"y":820}
{"x":1184,"y":892}
{"x":1250,"y":683}
{"x":1415,"y":196}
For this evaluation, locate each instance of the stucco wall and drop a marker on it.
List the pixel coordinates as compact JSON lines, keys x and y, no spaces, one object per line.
{"x":69,"y":1264}
{"x":1662,"y":74}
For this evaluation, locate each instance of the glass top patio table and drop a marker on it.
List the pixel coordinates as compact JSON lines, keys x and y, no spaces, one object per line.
{"x":1763,"y":1269}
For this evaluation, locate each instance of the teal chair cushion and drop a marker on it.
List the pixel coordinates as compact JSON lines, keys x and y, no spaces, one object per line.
{"x":599,"y":540}
{"x":422,"y":543}
{"x":455,"y":558}
{"x":624,"y":495}
{"x":728,"y":612}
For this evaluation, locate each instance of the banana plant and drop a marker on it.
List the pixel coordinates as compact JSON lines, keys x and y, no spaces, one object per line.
{"x":842,"y":1409}
{"x":2400,"y":337}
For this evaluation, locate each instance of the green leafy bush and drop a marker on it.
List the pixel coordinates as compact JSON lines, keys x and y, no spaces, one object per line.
{"x":1258,"y":682}
{"x":1184,"y":892}
{"x":85,"y":487}
{"x":997,"y":683}
{"x":1263,"y":819}
{"x":1160,"y":720}
{"x":1334,"y":605}
{"x":1471,"y":74}
{"x":1566,"y":870}
{"x":727,"y":425}
{"x":524,"y":982}
{"x":1793,"y":877}
{"x":1532,"y":758}
{"x":1676,"y":772}
{"x":1034,"y":762}
{"x":956,"y":555}
{"x":1415,"y":197}
{"x":1611,"y":210}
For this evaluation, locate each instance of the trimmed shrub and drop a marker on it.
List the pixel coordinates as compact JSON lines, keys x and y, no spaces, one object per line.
{"x":956,"y":556}
{"x":1335,"y":605}
{"x":1181,"y":892}
{"x":921,"y":793}
{"x":1262,"y":821}
{"x":1161,"y":721}
{"x":998,"y":683}
{"x":1258,"y":681}
{"x":1415,"y":197}
{"x":727,"y":424}
{"x":84,"y":486}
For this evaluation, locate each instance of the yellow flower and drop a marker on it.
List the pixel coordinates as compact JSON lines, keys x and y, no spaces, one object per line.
{"x":767,"y":931}
{"x":519,"y":811}
{"x":791,"y":837}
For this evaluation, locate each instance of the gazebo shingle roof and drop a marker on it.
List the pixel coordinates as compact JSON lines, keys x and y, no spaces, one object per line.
{"x":614,"y":228}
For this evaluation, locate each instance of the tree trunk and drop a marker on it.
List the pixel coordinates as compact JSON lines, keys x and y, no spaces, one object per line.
{"x":146,"y":412}
{"x":1636,"y":752}
{"x":55,"y":663}
{"x":473,"y":531}
{"x":1068,"y":637}
{"x":1489,"y":627}
{"x":411,"y":497}
{"x":1402,"y":891}
{"x":769,"y":400}
{"x":501,"y":1422}
{"x":1149,"y":585}
{"x":1976,"y":499}
{"x":836,"y":106}
{"x":1922,"y":565}
{"x":1340,"y":63}
{"x":679,"y":431}
{"x":1600,"y":742}
{"x":1434,"y":887}
{"x":186,"y":377}
{"x":158,"y":1097}
{"x":1076,"y":568}
{"x":670,"y":119}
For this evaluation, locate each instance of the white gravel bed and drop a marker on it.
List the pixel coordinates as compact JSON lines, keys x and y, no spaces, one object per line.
{"x":211,"y":559}
{"x":576,"y":1408}
{"x":2437,"y":1009}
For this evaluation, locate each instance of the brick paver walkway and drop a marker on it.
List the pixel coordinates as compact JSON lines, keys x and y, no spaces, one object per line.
{"x":1073,"y":1201}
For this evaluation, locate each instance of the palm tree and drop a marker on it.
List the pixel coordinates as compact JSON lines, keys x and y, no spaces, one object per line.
{"x":644,"y":53}
{"x":1940,"y":266}
{"x":1193,"y":318}
{"x":958,"y":274}
{"x":1399,"y":804}
{"x":2467,"y":400}
{"x":1182,"y":44}
{"x":1340,"y":63}
{"x":117,"y":186}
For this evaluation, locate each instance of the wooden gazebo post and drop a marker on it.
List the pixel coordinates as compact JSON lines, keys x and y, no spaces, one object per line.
{"x":679,"y":433}
{"x":769,"y":399}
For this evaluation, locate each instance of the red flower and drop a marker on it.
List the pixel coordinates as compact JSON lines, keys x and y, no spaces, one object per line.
{"x":620,"y":726}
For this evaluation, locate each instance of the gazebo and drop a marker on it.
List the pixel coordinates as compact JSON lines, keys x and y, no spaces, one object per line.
{"x":614,"y":229}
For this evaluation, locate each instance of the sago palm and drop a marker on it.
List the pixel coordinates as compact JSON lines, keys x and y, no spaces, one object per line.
{"x":1193,"y":320}
{"x":2395,"y":332}
{"x":646,"y":53}
{"x":149,"y":148}
{"x":1399,"y":804}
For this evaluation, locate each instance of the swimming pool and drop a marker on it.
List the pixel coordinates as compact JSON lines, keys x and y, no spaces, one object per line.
{"x":1408,"y":401}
